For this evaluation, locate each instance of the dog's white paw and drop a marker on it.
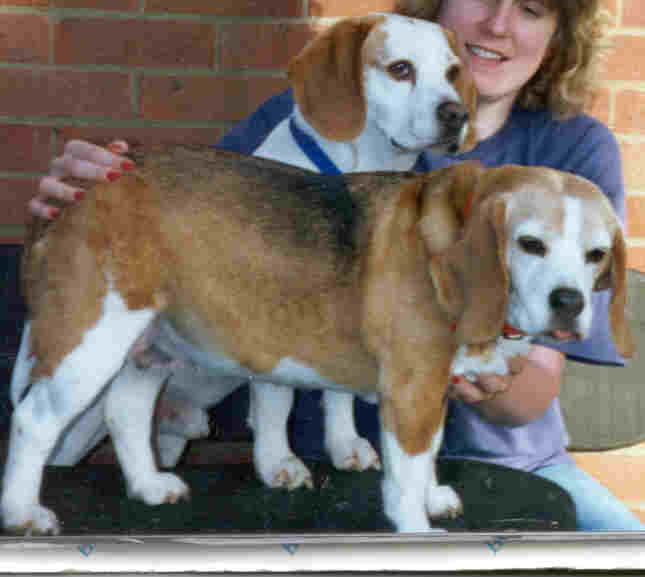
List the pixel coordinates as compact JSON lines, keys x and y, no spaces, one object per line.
{"x":30,"y":521}
{"x":354,"y":455}
{"x":289,"y":473}
{"x":443,"y":501}
{"x":160,"y":488}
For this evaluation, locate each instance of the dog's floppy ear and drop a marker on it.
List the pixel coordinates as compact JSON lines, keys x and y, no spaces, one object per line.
{"x":465,"y":86}
{"x":615,"y":278}
{"x":327,"y":79}
{"x":447,"y":196}
{"x":471,"y":278}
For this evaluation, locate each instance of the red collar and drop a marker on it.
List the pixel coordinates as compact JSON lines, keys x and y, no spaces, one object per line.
{"x":508,"y":332}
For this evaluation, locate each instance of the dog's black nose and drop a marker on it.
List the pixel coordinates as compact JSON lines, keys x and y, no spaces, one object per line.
{"x":452,"y":114}
{"x":567,"y":303}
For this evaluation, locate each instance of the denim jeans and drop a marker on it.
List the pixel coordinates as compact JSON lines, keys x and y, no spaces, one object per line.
{"x":597,"y":508}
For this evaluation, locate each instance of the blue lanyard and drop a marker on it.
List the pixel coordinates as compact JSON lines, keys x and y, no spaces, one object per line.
{"x":314,"y":153}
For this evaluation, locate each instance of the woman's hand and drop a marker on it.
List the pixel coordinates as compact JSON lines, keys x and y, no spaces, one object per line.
{"x":80,"y":161}
{"x":487,"y":386}
{"x":519,"y":397}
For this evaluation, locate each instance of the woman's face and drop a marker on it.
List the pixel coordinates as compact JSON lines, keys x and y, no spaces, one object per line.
{"x":504,"y":41}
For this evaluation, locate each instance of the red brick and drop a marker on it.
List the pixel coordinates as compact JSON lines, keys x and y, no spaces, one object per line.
{"x":630,"y":111}
{"x":255,"y":8}
{"x":134,"y":43}
{"x":24,"y":2}
{"x":338,"y":8}
{"x":633,"y":165}
{"x":65,"y":93}
{"x":224,"y":99}
{"x":24,"y":38}
{"x":600,"y":108}
{"x":24,"y":148}
{"x":261,"y":45}
{"x":127,"y":5}
{"x":636,"y":215}
{"x":620,"y":474}
{"x":633,"y":13}
{"x":139,"y":136}
{"x":14,"y":196}
{"x":611,"y":6}
{"x":624,"y":62}
{"x":636,"y":258}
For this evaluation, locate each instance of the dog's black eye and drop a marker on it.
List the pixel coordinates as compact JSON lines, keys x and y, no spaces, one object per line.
{"x":532,"y":245}
{"x":595,"y":256}
{"x":401,"y":70}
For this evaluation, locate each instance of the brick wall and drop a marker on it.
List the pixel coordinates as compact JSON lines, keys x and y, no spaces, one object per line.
{"x":188,"y":69}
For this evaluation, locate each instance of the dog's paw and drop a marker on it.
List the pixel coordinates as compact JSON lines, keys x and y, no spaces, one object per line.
{"x":473,"y":360}
{"x":160,"y":488}
{"x":31,"y":521}
{"x":354,"y":455}
{"x":290,"y":473}
{"x":443,"y":501}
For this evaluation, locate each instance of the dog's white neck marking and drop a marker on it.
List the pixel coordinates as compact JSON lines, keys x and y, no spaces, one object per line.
{"x":371,"y":150}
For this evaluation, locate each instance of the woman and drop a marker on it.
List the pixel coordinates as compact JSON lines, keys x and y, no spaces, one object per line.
{"x":533,"y":62}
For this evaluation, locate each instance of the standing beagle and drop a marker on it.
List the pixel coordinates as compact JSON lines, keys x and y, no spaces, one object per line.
{"x":367,"y":283}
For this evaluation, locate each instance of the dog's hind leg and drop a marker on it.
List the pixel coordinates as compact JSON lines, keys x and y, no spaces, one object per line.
{"x":22,"y":368}
{"x":53,"y":402}
{"x":128,"y":412}
{"x":85,"y":433}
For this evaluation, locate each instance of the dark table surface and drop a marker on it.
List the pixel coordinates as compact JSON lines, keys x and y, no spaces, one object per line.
{"x":91,"y":499}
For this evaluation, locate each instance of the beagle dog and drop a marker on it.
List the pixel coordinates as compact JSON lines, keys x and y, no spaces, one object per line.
{"x":370,"y":93}
{"x":367,"y":283}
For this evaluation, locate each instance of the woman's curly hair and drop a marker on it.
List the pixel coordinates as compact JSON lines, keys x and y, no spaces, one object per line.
{"x":567,"y":82}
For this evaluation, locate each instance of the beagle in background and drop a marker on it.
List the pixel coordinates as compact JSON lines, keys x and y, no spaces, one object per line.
{"x":367,"y":283}
{"x":370,"y":93}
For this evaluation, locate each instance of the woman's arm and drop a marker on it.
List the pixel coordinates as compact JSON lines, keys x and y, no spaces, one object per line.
{"x":521,"y":397}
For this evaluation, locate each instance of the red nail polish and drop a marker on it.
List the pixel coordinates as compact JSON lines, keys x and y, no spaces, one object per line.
{"x":78,"y":195}
{"x":127,"y":165}
{"x":53,"y":213}
{"x":455,"y":380}
{"x":113,"y":175}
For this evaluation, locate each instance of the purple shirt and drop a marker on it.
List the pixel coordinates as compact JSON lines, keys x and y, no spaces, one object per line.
{"x":581,"y":145}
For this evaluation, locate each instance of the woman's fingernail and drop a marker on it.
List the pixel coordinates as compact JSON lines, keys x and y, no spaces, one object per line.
{"x":116,"y":148}
{"x":78,"y":195}
{"x":127,"y":165}
{"x":113,"y":175}
{"x":53,"y":212}
{"x":455,"y":380}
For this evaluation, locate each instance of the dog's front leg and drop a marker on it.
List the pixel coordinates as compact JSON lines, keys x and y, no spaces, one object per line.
{"x":274,"y":461}
{"x":411,"y":493}
{"x":129,"y":408}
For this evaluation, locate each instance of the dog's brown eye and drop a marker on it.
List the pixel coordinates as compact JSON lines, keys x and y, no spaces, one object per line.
{"x":595,"y":256}
{"x":401,"y":70}
{"x":532,"y":245}
{"x":453,"y":73}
